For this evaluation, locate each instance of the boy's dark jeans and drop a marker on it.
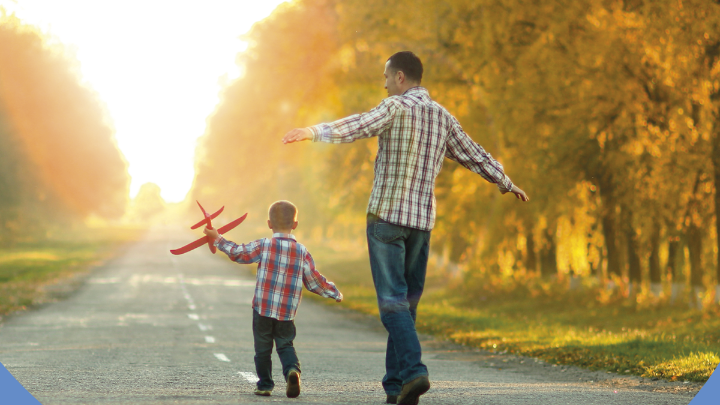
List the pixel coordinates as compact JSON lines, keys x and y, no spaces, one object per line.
{"x":265,"y":330}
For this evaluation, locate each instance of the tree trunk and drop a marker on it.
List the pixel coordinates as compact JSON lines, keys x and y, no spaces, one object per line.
{"x":695,"y":247}
{"x":633,"y":254}
{"x":610,"y":234}
{"x":696,"y":271}
{"x":530,"y":256}
{"x":654,"y":259}
{"x":674,"y":251}
{"x":716,"y":167}
{"x":548,"y":255}
{"x":609,"y":226}
{"x":635,"y":271}
{"x":675,"y":264}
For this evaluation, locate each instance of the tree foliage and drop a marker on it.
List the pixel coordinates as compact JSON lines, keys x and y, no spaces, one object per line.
{"x":605,"y":112}
{"x":58,"y":155}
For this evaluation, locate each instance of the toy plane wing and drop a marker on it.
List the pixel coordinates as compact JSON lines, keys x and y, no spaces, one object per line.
{"x":206,"y":221}
{"x":196,"y":244}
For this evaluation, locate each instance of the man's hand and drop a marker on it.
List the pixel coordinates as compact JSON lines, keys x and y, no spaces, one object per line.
{"x":297,"y":135}
{"x":519,"y":193}
{"x":212,"y":233}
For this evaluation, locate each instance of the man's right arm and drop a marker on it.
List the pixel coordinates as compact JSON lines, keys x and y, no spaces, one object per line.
{"x":348,"y":129}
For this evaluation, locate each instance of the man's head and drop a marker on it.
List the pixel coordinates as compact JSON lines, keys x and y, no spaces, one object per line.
{"x":403,"y":70}
{"x":282,"y":216}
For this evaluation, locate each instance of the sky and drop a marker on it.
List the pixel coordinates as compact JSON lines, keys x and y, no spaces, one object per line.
{"x":158,"y":65}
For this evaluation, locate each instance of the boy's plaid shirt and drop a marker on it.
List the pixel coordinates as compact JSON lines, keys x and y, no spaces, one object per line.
{"x":284,"y":266}
{"x":414,"y":135}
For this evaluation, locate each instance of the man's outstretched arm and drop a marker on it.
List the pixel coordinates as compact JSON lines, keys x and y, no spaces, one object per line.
{"x":462,"y":149}
{"x":348,"y":129}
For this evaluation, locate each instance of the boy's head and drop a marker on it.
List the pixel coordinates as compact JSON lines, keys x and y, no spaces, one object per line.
{"x":282,"y":216}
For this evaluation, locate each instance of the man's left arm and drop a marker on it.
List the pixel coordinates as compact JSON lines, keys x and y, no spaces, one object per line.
{"x":462,"y":149}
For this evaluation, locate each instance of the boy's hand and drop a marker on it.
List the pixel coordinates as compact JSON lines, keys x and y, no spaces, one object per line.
{"x":297,"y":135}
{"x":212,"y":233}
{"x":339,"y":299}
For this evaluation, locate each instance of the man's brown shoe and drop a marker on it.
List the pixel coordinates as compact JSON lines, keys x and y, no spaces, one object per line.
{"x":293,"y":384}
{"x":410,"y":394}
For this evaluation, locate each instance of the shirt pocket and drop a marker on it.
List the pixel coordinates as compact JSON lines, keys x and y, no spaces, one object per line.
{"x":387,"y":232}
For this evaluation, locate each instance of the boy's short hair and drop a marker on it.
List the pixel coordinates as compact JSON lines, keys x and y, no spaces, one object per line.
{"x":283,"y":214}
{"x":408,"y":63}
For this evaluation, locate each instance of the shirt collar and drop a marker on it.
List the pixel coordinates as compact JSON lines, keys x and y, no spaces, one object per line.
{"x":416,"y":89}
{"x":284,"y":236}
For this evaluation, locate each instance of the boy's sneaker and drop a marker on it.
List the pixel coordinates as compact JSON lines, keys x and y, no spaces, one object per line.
{"x":391,"y":399}
{"x":293,"y":384}
{"x":410,"y":394}
{"x":265,"y":393}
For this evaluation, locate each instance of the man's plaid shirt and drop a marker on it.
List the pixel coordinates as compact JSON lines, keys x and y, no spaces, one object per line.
{"x":414,"y":135}
{"x":284,"y":265}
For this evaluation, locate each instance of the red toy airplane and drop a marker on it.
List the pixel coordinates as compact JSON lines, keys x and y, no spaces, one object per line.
{"x":206,"y":239}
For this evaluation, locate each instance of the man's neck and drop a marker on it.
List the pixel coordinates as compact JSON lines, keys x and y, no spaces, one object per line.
{"x":407,"y":87}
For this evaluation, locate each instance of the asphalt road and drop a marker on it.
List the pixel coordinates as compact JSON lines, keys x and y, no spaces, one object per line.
{"x":152,"y":328}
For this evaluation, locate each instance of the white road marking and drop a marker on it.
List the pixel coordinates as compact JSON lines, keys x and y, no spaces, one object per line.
{"x":107,"y":280}
{"x":221,"y":357}
{"x":209,"y":339}
{"x":204,"y":327}
{"x":250,"y":377}
{"x":194,"y":317}
{"x":192,"y":307}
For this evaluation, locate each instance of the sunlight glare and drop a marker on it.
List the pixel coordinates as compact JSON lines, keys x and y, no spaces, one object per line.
{"x":159,"y":67}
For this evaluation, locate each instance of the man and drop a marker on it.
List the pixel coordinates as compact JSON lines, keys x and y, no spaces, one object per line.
{"x":414,"y":135}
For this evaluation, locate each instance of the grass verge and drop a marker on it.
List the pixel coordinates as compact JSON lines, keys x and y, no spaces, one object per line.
{"x":671,"y":343}
{"x":31,"y":272}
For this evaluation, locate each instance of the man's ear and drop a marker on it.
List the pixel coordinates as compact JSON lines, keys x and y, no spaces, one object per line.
{"x":400,"y":77}
{"x":295,"y":224}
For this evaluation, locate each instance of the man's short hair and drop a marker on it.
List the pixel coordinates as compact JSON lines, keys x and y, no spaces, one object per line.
{"x":283,"y":214}
{"x":408,"y":63}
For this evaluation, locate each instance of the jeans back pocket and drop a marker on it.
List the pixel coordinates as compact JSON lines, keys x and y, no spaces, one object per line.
{"x":387,"y":232}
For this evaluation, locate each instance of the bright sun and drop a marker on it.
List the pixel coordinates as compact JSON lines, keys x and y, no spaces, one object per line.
{"x":158,"y":65}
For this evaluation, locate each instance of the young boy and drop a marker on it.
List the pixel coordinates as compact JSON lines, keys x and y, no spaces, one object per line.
{"x":284,"y":265}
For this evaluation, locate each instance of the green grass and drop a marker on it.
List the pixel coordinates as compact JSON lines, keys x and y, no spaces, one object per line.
{"x":662,"y":341}
{"x":30,"y":270}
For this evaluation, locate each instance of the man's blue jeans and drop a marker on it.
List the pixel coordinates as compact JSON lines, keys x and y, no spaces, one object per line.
{"x":265,"y":331}
{"x":398,"y":260}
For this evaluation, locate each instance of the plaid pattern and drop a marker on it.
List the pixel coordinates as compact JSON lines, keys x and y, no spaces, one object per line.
{"x":284,"y":266}
{"x":414,"y":135}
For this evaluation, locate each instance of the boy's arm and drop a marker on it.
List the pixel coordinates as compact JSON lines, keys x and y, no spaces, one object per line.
{"x":242,"y":253}
{"x":350,"y":128}
{"x":317,"y":283}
